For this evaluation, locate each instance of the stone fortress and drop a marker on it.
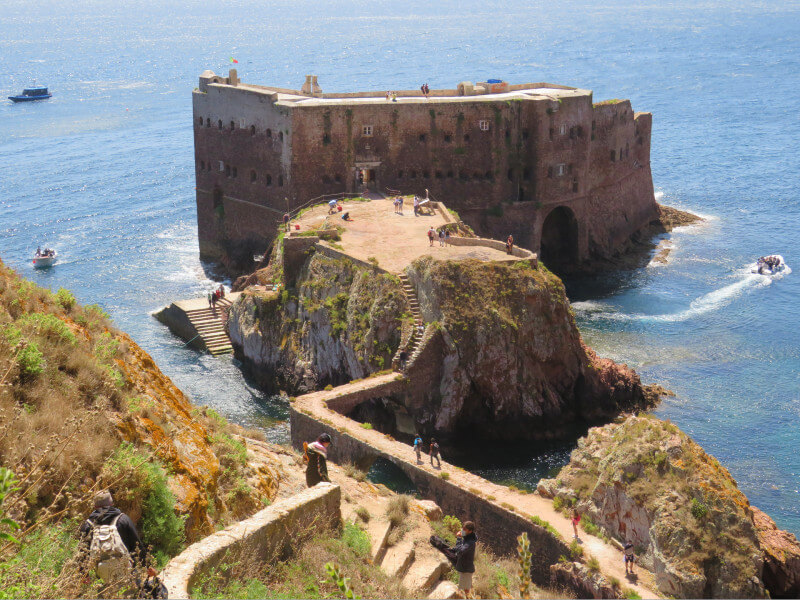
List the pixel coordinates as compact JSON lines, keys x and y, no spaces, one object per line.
{"x":570,"y":179}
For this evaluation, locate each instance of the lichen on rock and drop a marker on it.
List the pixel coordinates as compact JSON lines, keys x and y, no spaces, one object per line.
{"x":643,"y":480}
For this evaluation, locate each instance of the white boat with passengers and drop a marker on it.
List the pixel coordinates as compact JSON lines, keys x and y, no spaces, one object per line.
{"x":44,"y":258}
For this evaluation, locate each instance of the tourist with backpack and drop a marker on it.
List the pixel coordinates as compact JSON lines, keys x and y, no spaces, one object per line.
{"x":629,"y":557}
{"x":435,"y":453}
{"x":111,"y":540}
{"x":418,"y":449}
{"x":316,"y":454}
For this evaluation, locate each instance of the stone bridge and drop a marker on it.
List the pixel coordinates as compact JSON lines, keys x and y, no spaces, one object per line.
{"x":500,"y":514}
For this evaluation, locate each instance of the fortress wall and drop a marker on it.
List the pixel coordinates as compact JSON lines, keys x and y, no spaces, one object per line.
{"x":244,"y":154}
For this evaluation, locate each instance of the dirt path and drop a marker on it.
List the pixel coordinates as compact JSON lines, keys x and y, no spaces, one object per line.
{"x":609,"y":556}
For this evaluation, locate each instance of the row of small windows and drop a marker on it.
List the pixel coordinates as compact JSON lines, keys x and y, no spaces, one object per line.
{"x":623,"y":153}
{"x":232,"y":126}
{"x":450,"y":174}
{"x":233,"y":172}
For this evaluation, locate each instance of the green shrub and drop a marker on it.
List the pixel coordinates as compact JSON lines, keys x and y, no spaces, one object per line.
{"x":366,"y":425}
{"x":542,"y":523}
{"x":30,"y":360}
{"x":48,"y":325}
{"x":65,"y":298}
{"x":699,"y":509}
{"x":593,"y":565}
{"x":575,"y":550}
{"x":558,"y":503}
{"x":141,"y":478}
{"x":630,"y":594}
{"x":328,"y":387}
{"x":589,"y":527}
{"x":357,"y":539}
{"x":444,"y":475}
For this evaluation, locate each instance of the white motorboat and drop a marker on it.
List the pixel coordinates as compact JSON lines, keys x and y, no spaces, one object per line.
{"x":769,"y":265}
{"x":45,"y":258}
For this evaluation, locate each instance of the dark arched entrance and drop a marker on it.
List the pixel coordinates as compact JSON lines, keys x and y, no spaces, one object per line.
{"x":558,"y":249}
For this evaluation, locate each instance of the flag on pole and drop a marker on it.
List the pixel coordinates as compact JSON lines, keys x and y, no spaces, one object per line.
{"x":234,"y":61}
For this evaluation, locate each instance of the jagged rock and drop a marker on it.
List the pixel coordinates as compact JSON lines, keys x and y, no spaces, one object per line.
{"x":643,"y":480}
{"x":781,"y":574}
{"x":577,"y":577}
{"x":445,"y":590}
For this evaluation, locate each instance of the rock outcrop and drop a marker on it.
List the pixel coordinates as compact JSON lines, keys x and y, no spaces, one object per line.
{"x":514,"y":364}
{"x":587,"y":584}
{"x":644,"y":480}
{"x":340,"y":322}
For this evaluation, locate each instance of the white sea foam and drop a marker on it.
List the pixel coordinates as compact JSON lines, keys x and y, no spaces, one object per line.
{"x":704,"y":304}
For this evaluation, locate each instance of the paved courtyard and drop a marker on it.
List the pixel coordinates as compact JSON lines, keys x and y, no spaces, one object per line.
{"x":395,"y":240}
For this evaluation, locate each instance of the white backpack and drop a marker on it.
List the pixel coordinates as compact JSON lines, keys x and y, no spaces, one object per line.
{"x":108,"y":552}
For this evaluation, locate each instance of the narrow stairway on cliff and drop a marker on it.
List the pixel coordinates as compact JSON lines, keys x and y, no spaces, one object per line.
{"x":210,"y":325}
{"x":412,"y":346}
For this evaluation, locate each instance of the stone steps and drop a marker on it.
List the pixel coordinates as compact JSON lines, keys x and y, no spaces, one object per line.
{"x":398,"y":559}
{"x":424,"y":573}
{"x":412,"y":300}
{"x":210,"y":325}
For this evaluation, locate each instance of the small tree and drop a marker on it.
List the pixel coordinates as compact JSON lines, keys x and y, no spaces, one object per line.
{"x":524,"y":559}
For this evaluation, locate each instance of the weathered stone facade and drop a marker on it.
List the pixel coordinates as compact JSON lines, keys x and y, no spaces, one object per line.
{"x":570,"y":179}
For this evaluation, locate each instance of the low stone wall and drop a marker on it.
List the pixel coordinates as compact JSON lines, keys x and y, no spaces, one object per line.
{"x":497,"y":245}
{"x":498,"y":526}
{"x":347,"y":402}
{"x":333,"y":253}
{"x":269,"y":533}
{"x":176,"y":319}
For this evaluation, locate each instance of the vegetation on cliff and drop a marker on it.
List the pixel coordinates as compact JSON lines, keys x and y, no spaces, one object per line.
{"x":644,"y":480}
{"x":83,"y":408}
{"x":341,"y":322}
{"x":514,"y":362}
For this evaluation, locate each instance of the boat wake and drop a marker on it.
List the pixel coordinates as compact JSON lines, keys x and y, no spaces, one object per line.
{"x":597,"y":311}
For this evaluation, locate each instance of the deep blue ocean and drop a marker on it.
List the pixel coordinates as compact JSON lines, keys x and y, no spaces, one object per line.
{"x":104,"y":172}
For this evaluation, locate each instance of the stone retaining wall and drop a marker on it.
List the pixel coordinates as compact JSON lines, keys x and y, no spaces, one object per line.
{"x":497,"y":245}
{"x":269,"y":533}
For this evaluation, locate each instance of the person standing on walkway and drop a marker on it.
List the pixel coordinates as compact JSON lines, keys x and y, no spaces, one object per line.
{"x":465,"y":557}
{"x":435,"y":453}
{"x":510,"y":244}
{"x":441,"y":238}
{"x":403,"y":359}
{"x":316,"y":453}
{"x":576,"y":519}
{"x":431,"y":236}
{"x":418,"y":449}
{"x":447,"y":238}
{"x":416,"y":205}
{"x":629,"y":557}
{"x":286,"y":218}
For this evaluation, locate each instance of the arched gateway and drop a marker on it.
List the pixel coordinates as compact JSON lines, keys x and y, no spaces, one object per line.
{"x":558,"y":247}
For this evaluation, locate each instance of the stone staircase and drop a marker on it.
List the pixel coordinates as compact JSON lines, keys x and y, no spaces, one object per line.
{"x":211,"y":325}
{"x":413,"y":560}
{"x":413,"y":344}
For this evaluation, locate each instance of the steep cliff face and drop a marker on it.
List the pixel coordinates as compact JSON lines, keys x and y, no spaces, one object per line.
{"x":644,"y":480}
{"x":513,"y":364}
{"x":340,"y":322}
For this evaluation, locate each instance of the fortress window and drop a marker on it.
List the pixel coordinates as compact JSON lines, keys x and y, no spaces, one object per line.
{"x":463,"y":176}
{"x":280,"y":136}
{"x":450,"y":174}
{"x":200,"y":121}
{"x":326,"y":138}
{"x":572,"y":133}
{"x":562,"y":130}
{"x":422,"y":137}
{"x":221,"y":166}
{"x":202,"y":165}
{"x":575,"y":185}
{"x":400,"y":174}
{"x":233,"y":125}
{"x":526,"y":174}
{"x":366,"y":131}
{"x":448,"y":138}
{"x":426,"y":174}
{"x":280,"y":180}
{"x":489,"y":176}
{"x":613,"y":155}
{"x":466,"y":137}
{"x":326,"y":179}
{"x":253,"y":176}
{"x":438,"y":174}
{"x":620,"y":153}
{"x":524,"y":134}
{"x":627,"y":149}
{"x":552,"y":131}
{"x":550,"y":172}
{"x":252,"y":129}
{"x":337,"y":178}
{"x":580,"y":131}
{"x":219,"y":124}
{"x":413,"y":175}
{"x":483,"y":125}
{"x":561,"y":169}
{"x":227,"y":170}
{"x":235,"y":172}
{"x":476,"y":176}
{"x":242,"y":124}
{"x":508,"y":134}
{"x":208,"y":122}
{"x":269,"y":133}
{"x":511,"y":174}
{"x":269,"y":179}
{"x":594,"y":126}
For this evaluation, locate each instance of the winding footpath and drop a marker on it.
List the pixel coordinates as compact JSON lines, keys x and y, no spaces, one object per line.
{"x":609,"y":556}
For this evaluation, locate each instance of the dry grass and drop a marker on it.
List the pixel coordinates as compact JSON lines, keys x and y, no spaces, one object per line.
{"x":397,"y":509}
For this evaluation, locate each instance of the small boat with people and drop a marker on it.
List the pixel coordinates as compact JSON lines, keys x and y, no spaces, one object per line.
{"x":32,"y":93}
{"x":44,"y":258}
{"x":769,"y":265}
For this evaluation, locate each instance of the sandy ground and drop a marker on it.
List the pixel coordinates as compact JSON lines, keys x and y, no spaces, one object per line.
{"x":395,"y":240}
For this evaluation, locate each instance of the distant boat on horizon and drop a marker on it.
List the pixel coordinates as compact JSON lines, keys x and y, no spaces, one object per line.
{"x":32,"y":93}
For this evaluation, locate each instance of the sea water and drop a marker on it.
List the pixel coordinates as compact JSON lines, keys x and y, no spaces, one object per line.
{"x":104,"y":172}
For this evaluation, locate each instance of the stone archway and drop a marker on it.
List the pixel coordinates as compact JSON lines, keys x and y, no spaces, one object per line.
{"x":558,"y":247}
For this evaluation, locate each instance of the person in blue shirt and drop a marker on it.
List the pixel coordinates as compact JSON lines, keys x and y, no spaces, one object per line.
{"x":418,"y":449}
